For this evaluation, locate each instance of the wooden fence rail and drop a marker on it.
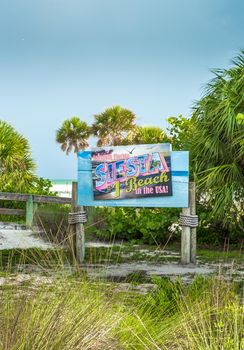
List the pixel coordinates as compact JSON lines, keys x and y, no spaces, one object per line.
{"x":31,"y":204}
{"x":76,"y":236}
{"x":8,"y":211}
{"x":8,"y":196}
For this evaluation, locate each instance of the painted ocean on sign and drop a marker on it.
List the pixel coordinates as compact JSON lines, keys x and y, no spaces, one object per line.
{"x":131,"y":172}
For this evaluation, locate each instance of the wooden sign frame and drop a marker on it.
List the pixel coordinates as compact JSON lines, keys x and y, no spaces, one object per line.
{"x":183,"y":193}
{"x":180,"y":182}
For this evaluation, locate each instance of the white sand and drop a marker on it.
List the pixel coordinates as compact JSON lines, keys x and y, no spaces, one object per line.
{"x":21,"y":239}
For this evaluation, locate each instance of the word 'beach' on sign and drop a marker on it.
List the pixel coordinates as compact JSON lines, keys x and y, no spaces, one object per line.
{"x":119,"y":173}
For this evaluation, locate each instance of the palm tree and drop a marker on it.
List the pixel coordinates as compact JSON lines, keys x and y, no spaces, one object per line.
{"x":113,"y":125}
{"x":16,"y":165}
{"x":73,"y":134}
{"x":146,"y":135}
{"x":217,"y":146}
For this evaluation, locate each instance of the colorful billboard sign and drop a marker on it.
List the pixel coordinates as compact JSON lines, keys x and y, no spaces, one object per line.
{"x":133,"y":176}
{"x":131,"y":172}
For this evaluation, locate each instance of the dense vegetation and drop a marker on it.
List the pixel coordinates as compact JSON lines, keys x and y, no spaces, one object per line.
{"x":213,"y":135}
{"x":59,"y":307}
{"x":217,"y":146}
{"x":72,"y":313}
{"x":16,"y":165}
{"x":17,"y":169}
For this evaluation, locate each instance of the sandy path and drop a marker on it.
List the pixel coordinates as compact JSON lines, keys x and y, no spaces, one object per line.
{"x":21,"y":239}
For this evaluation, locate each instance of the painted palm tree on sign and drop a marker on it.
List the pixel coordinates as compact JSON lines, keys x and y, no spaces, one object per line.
{"x":112,"y":125}
{"x":73,"y":135}
{"x":16,"y":165}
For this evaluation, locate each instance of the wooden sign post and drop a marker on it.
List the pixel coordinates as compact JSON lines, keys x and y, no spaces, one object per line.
{"x":189,"y":223}
{"x":150,"y":176}
{"x":77,"y":227}
{"x":192,"y":202}
{"x":186,"y":240}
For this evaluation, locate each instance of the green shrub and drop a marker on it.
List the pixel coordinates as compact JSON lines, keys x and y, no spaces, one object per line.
{"x":211,"y":230}
{"x":148,"y":225}
{"x":154,"y":226}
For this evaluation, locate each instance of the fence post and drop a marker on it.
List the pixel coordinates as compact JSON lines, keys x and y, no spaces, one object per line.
{"x":29,"y":212}
{"x":78,"y":228}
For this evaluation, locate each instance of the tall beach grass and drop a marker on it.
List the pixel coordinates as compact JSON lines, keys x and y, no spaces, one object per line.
{"x":62,"y":308}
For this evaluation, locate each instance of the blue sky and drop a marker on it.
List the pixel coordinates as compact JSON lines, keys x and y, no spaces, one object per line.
{"x":63,"y":58}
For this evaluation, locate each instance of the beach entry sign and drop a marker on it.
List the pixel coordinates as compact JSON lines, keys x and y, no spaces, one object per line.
{"x":131,"y":172}
{"x":133,"y":176}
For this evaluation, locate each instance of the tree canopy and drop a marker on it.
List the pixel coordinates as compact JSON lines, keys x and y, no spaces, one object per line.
{"x":73,"y":134}
{"x":16,"y":164}
{"x":217,"y":146}
{"x":146,"y":135}
{"x":113,"y":125}
{"x":181,"y":132}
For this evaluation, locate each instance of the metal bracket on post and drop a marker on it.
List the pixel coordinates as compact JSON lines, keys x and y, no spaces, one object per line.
{"x":189,"y":223}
